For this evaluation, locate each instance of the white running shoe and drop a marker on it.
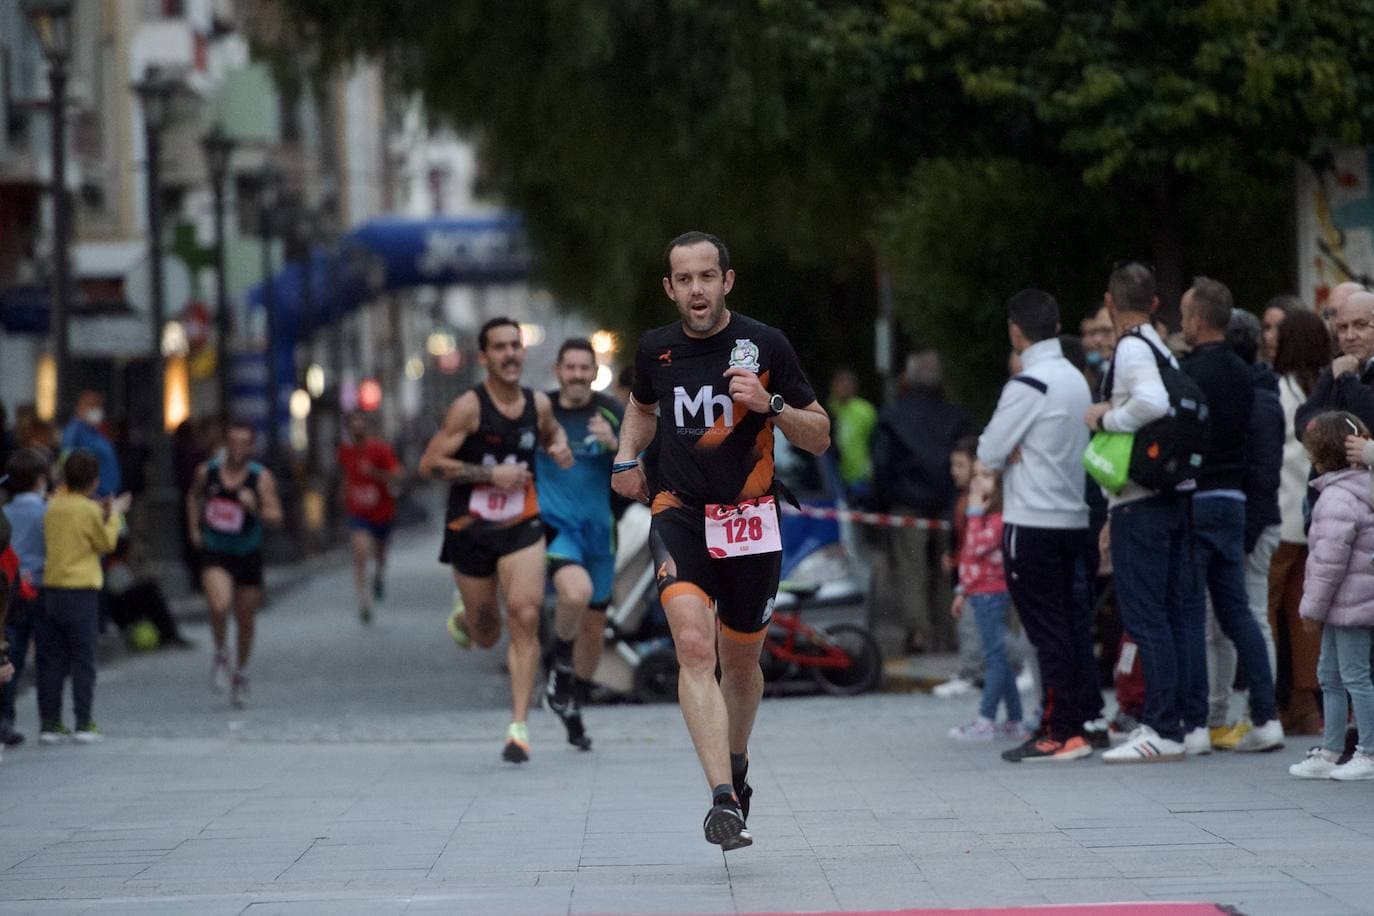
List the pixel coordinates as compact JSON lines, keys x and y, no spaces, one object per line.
{"x":1318,"y":764}
{"x":1360,"y":766}
{"x":1198,"y":741}
{"x":238,"y":693}
{"x":954,"y":687}
{"x":1145,"y":746}
{"x":219,"y":674}
{"x":1266,"y":737}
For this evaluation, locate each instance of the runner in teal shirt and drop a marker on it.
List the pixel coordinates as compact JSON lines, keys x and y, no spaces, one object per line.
{"x":576,"y":507}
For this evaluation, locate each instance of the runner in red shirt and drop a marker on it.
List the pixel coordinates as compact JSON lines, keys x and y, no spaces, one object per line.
{"x":370,"y":472}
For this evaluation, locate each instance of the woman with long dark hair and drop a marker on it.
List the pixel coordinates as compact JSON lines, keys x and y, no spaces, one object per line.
{"x":1304,"y":349}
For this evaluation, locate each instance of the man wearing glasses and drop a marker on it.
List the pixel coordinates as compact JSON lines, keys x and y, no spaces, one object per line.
{"x":1348,"y":384}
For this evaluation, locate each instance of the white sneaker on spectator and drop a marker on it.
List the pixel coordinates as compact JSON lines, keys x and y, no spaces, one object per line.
{"x":979,"y":729}
{"x":1266,"y":737}
{"x":1318,"y":764}
{"x":954,"y":687}
{"x":1025,"y":681}
{"x":1360,"y":766}
{"x":1145,"y":746}
{"x":1198,"y":741}
{"x":1120,"y":729}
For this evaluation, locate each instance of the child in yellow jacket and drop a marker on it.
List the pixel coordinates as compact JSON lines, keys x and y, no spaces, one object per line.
{"x":77,"y":532}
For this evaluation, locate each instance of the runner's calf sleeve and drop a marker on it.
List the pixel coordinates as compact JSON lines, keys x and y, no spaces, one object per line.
{"x":563,"y":652}
{"x":582,"y":689}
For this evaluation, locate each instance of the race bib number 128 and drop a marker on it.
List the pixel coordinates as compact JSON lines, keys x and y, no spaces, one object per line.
{"x":744,"y":530}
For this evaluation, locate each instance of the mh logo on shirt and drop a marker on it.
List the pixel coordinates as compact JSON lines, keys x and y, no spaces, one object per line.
{"x":703,"y":404}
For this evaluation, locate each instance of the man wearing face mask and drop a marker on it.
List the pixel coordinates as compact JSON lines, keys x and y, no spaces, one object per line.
{"x":1099,"y":339}
{"x":84,"y":432}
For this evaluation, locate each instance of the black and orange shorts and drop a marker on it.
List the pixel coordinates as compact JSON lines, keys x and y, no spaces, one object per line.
{"x":474,"y":550}
{"x":742,"y":589}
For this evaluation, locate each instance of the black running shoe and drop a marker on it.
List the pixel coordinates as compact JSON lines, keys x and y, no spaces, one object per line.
{"x":1018,"y":753}
{"x":724,"y":826}
{"x":561,"y":699}
{"x":558,"y":693}
{"x":577,"y":732}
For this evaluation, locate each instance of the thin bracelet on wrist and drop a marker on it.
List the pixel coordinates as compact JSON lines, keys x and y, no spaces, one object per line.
{"x":620,"y":466}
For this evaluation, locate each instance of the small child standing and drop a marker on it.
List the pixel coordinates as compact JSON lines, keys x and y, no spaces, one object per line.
{"x":970,"y":654}
{"x":983,"y":590}
{"x":78,"y":532}
{"x":1338,"y":596}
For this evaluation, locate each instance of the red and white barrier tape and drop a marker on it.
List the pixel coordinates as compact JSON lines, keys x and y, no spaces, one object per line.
{"x":879,"y":519}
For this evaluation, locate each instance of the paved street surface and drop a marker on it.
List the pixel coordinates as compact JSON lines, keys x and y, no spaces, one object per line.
{"x":365,"y":777}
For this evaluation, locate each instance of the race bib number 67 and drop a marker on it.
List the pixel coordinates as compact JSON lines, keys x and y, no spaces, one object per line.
{"x":744,"y":530}
{"x":496,"y":505}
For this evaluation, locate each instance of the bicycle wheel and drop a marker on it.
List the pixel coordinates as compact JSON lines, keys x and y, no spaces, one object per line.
{"x":655,"y":678}
{"x":867,"y":662}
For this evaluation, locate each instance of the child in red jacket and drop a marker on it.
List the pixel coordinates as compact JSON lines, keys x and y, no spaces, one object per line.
{"x":983,"y":590}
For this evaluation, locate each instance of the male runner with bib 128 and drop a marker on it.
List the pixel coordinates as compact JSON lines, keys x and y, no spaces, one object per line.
{"x":719,"y":382}
{"x":493,"y":536}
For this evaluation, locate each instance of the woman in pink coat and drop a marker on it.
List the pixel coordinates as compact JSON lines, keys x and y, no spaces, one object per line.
{"x":1338,"y":592}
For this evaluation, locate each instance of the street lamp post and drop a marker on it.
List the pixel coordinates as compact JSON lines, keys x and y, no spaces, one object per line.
{"x":51,"y":22}
{"x":269,"y":181}
{"x":218,"y":148}
{"x":155,"y":92}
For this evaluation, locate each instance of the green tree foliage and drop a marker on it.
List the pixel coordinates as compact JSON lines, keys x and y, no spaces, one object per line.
{"x":614,"y":126}
{"x":966,"y":234}
{"x":1148,"y":98}
{"x":979,"y":145}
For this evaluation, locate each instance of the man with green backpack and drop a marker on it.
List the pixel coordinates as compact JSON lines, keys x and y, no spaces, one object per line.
{"x":1150,"y":539}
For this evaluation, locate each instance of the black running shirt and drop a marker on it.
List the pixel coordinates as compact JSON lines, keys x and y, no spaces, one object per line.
{"x":498,"y":440}
{"x":711,"y":449}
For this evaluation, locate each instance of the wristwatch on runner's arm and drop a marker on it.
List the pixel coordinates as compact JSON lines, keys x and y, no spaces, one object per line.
{"x":776,"y":404}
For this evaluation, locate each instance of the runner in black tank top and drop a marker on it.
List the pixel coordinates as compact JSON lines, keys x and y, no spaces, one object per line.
{"x":498,"y":440}
{"x":492,"y":531}
{"x":720,"y":384}
{"x":229,"y":503}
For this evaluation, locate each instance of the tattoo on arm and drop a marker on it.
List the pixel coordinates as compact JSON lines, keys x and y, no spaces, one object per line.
{"x":466,"y":473}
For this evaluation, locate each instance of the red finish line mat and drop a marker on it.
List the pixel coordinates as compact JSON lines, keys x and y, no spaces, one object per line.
{"x":1074,"y":909}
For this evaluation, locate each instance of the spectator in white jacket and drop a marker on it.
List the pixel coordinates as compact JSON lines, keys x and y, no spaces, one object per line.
{"x":1148,"y":530}
{"x":1037,"y":435}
